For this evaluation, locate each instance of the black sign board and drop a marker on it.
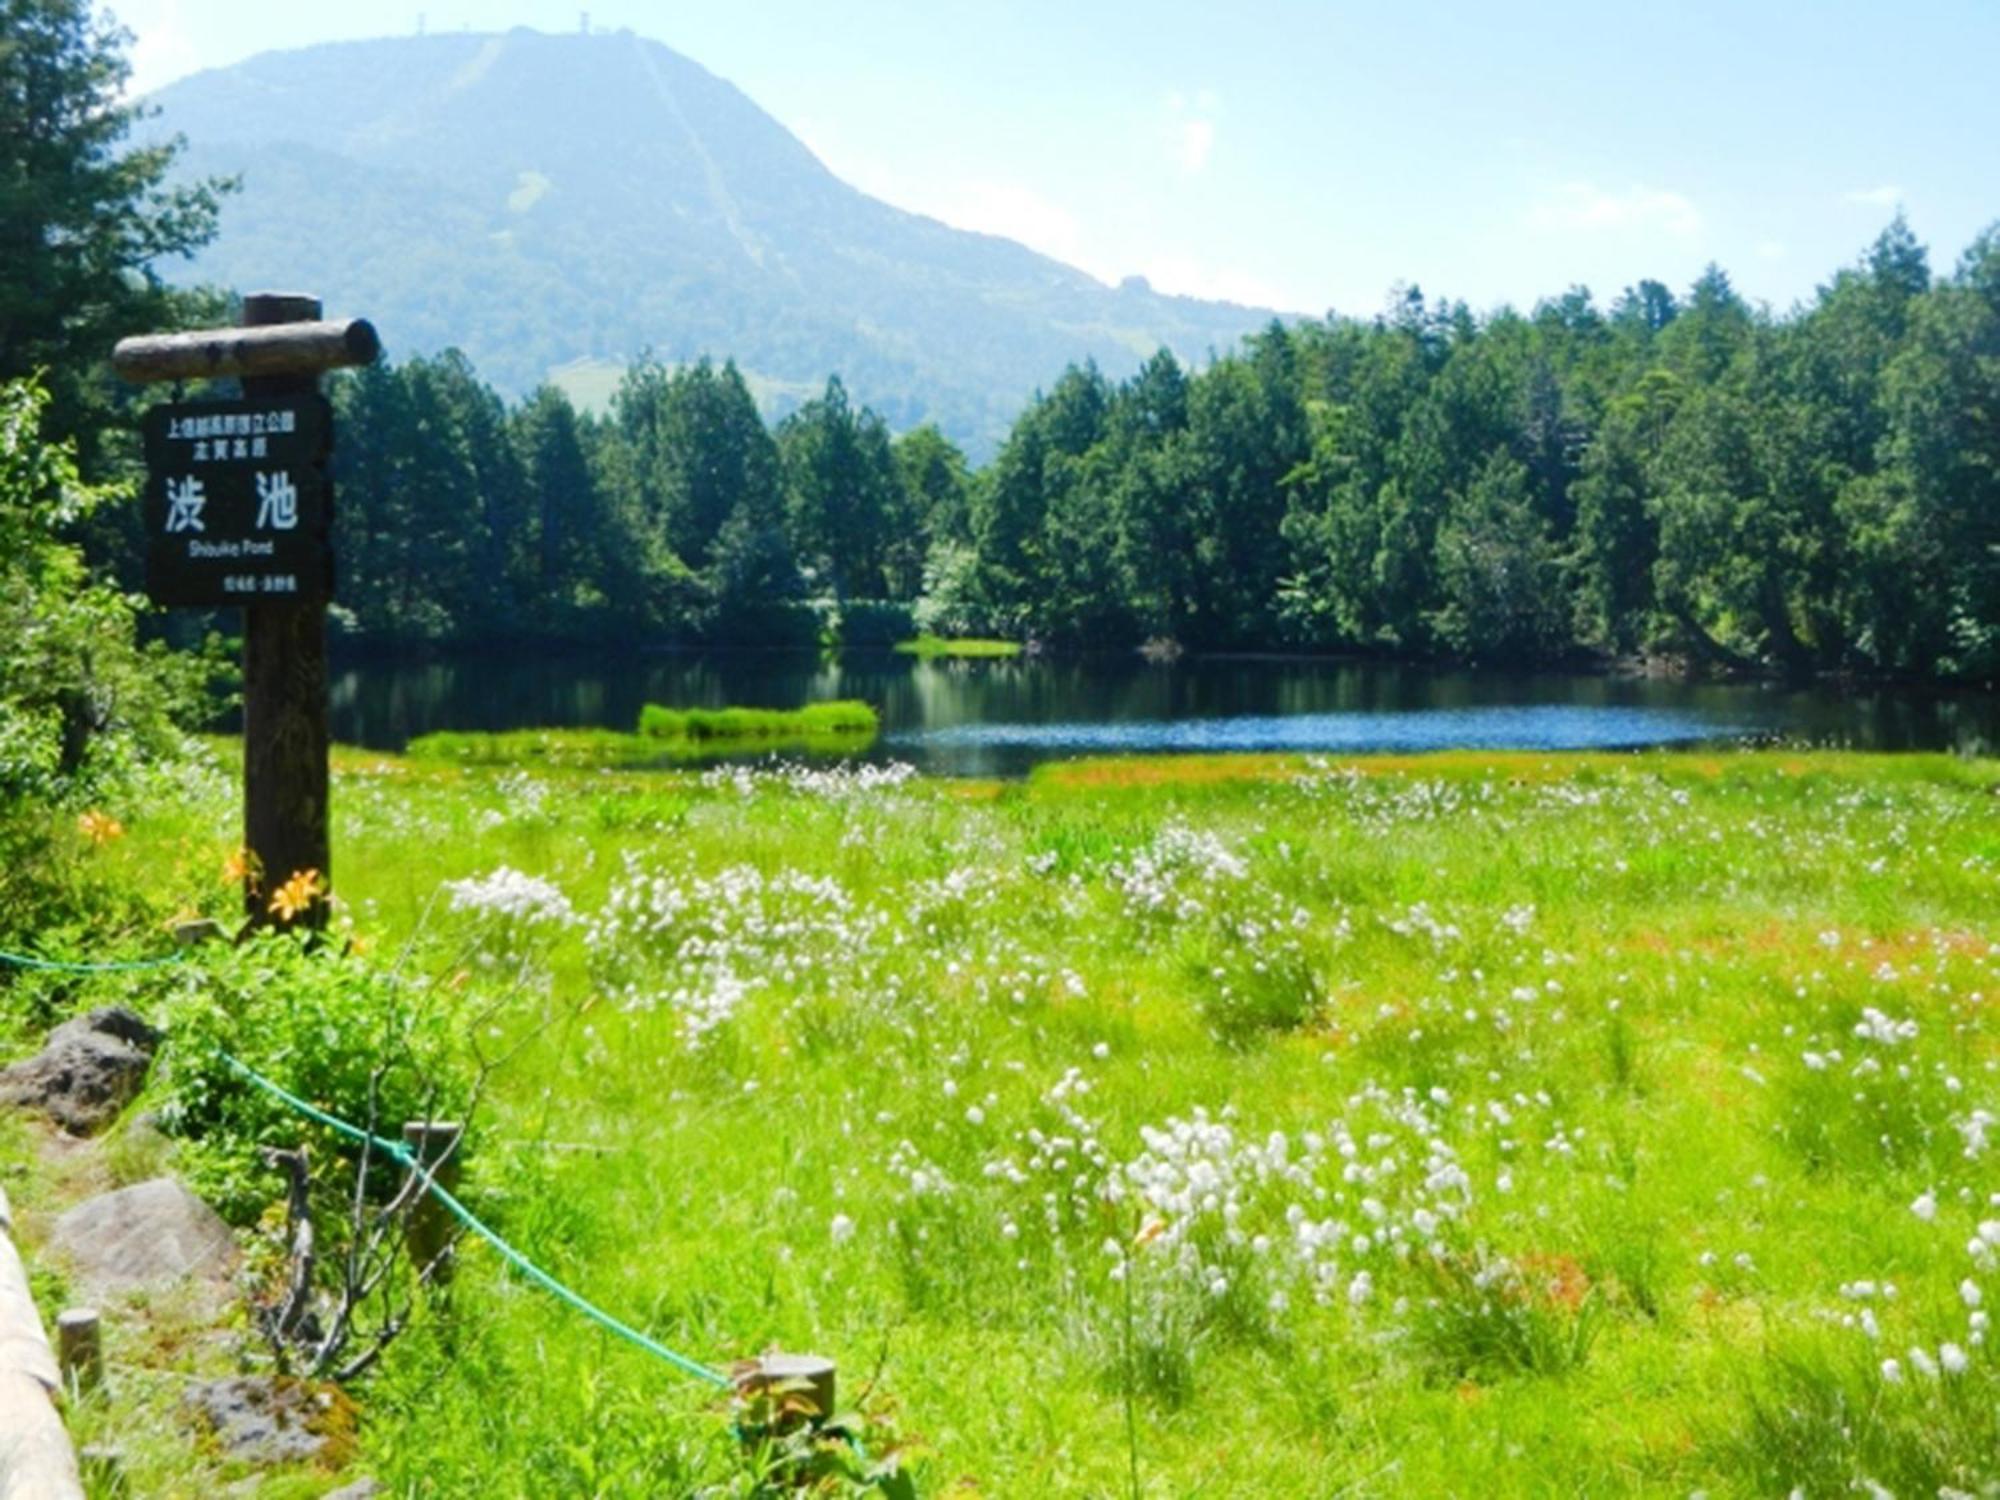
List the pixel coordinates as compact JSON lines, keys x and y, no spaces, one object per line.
{"x":238,"y":508}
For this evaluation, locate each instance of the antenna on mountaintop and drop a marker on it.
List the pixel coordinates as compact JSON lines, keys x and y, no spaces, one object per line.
{"x":583,"y":23}
{"x":421,"y":18}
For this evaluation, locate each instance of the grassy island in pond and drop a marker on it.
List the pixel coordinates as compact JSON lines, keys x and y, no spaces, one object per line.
{"x":845,"y":719}
{"x":665,"y":735}
{"x":1473,"y":1125}
{"x":967,"y":647}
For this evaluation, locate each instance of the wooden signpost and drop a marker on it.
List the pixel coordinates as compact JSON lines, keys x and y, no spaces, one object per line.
{"x":239,"y":512}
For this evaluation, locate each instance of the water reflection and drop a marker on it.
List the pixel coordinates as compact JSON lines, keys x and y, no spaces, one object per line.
{"x":1001,"y":717}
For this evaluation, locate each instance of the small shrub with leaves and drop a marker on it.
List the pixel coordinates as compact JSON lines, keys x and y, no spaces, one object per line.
{"x":356,"y":1039}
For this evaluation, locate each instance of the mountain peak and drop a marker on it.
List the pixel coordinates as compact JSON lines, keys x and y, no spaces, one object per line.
{"x":563,"y":202}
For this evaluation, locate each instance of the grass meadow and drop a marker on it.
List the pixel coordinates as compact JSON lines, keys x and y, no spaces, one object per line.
{"x":1473,"y":1125}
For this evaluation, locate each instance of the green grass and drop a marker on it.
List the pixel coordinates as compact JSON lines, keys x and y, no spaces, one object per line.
{"x":842,"y":718}
{"x":1472,"y":1125}
{"x":965,"y":646}
{"x":570,"y":748}
{"x":665,"y":735}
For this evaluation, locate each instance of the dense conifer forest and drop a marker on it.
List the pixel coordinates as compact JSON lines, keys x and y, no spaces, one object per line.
{"x":1675,"y":473}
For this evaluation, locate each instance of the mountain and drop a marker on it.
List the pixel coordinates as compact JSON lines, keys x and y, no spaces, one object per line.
{"x":555,"y":205}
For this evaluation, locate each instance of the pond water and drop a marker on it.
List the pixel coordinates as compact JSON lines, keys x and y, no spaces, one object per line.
{"x":986,"y":718}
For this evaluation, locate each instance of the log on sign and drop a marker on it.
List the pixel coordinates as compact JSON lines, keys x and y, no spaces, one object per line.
{"x":238,"y":507}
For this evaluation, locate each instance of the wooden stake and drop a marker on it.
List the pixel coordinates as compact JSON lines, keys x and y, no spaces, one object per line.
{"x":776,"y":1372}
{"x":80,"y":1349}
{"x":427,"y":1230}
{"x":285,"y":737}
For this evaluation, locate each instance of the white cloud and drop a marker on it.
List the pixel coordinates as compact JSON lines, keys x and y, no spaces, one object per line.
{"x":1014,"y":210}
{"x":1084,"y":239}
{"x":999,"y":206}
{"x":161,"y":49}
{"x":1190,"y":128}
{"x":1197,"y":141}
{"x":1572,"y":206}
{"x":1886,"y":196}
{"x":1189,"y":276}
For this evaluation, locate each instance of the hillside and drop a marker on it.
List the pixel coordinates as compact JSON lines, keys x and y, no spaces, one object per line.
{"x":561,"y":203}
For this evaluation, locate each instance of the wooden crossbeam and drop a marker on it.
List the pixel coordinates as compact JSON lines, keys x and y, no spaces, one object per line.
{"x":300,"y":348}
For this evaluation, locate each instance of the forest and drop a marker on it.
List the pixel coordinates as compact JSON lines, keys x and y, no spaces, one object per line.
{"x":1680,"y":475}
{"x":1685,"y":476}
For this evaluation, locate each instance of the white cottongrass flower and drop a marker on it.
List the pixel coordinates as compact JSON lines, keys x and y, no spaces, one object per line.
{"x":1953,"y":1359}
{"x":1892,"y":1372}
{"x":1973,"y":1128}
{"x":1925,"y":1206}
{"x":703,"y":1007}
{"x":839,"y":783}
{"x":509,"y":893}
{"x":1922,"y":1363}
{"x":840,"y":1229}
{"x":1171,"y":875}
{"x":1876,"y":1027}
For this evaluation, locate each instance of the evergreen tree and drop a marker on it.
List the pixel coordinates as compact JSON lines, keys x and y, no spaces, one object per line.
{"x":85,"y":219}
{"x":568,"y":518}
{"x":845,"y":503}
{"x":938,"y":485}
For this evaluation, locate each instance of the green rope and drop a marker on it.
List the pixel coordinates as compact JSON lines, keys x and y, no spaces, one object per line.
{"x":63,"y":966}
{"x":396,"y":1151}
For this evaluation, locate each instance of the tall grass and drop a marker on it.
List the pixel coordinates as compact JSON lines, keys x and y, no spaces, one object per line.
{"x":840,"y":719}
{"x":665,"y":735}
{"x":1510,"y":1125}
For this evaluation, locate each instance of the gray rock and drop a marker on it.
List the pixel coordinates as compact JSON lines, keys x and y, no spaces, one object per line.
{"x":148,"y":1237}
{"x":361,"y":1489}
{"x":269,"y":1419}
{"x":87,"y":1071}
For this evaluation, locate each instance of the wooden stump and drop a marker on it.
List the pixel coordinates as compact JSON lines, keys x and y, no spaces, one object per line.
{"x":427,"y":1230}
{"x":80,"y":1349}
{"x":806,"y":1377}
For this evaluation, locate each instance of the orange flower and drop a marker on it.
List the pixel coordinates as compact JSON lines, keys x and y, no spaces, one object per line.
{"x":297,"y":894}
{"x":243,"y":867}
{"x":100,"y":828}
{"x":1150,"y":1231}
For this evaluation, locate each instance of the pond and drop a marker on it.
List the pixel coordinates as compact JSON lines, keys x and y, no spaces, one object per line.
{"x":988,"y":718}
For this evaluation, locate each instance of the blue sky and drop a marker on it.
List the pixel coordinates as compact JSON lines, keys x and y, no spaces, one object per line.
{"x":1310,"y":156}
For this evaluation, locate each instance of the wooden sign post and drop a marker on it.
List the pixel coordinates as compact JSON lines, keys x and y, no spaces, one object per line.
{"x":239,"y":511}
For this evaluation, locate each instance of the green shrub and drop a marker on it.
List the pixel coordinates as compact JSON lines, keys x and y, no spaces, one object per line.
{"x":355,"y":1039}
{"x":84,"y":710}
{"x":875,"y":624}
{"x":777,"y":625}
